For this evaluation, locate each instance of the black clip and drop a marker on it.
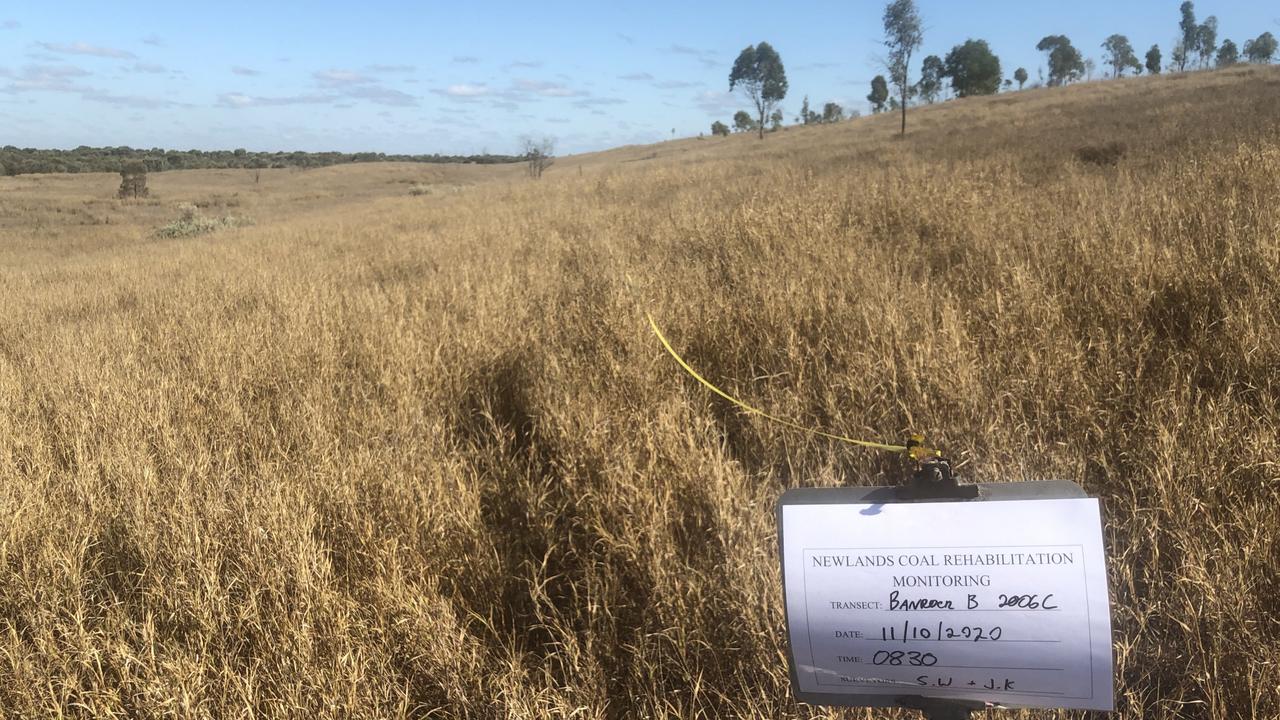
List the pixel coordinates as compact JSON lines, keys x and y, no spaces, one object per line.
{"x":933,"y":480}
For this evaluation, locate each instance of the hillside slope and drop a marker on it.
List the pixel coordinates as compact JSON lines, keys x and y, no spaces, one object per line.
{"x":421,"y":456}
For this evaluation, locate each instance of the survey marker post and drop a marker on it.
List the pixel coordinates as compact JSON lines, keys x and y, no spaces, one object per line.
{"x":947,"y":606}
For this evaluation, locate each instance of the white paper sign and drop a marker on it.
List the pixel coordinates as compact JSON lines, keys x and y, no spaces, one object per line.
{"x":1003,"y":602}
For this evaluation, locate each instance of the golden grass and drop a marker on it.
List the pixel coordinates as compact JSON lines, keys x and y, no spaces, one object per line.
{"x":382,"y":455}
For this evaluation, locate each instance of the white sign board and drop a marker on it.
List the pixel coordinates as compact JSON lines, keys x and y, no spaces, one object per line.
{"x":1002,"y":602}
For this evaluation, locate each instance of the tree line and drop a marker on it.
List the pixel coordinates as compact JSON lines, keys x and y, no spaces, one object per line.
{"x":84,"y":159}
{"x":973,"y":69}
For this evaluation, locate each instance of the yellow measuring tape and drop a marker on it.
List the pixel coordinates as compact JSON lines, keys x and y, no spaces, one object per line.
{"x":914,"y":448}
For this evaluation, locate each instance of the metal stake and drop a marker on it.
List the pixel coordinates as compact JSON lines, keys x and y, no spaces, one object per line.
{"x":933,"y":480}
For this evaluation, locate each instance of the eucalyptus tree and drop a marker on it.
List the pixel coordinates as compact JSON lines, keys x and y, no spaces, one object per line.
{"x":1120,"y":56}
{"x":902,"y":35}
{"x":1065,"y":62}
{"x":932,"y":72}
{"x":973,"y":69}
{"x":1260,"y":49}
{"x":758,"y":74}
{"x":879,"y":94}
{"x":1153,"y":60}
{"x":1190,"y":39}
{"x":1228,"y":54}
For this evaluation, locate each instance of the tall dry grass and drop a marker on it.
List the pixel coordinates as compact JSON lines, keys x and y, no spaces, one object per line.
{"x":421,"y":457}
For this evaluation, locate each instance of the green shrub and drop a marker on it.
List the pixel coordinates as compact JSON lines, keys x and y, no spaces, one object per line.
{"x":191,"y":223}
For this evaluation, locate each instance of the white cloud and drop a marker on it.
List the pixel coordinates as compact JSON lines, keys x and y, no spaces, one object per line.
{"x":79,"y":48}
{"x":457,"y":119}
{"x":235,"y":100}
{"x":339,"y":78}
{"x":133,"y":101}
{"x":391,"y":68}
{"x":545,"y":89}
{"x":381,"y":95}
{"x":240,"y":100}
{"x":245,"y":71}
{"x":47,"y":78}
{"x":715,"y":103}
{"x":598,"y":101}
{"x":62,"y":79}
{"x":706,"y":57}
{"x":141,"y":67}
{"x":467,"y":90}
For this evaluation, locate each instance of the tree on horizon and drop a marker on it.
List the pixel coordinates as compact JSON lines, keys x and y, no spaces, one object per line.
{"x":932,"y":72}
{"x":1260,"y":49}
{"x":1178,"y":58}
{"x":1190,"y":35}
{"x":1228,"y":54}
{"x":973,"y":69}
{"x":1207,"y":40}
{"x":1120,"y":55}
{"x":1065,"y":62}
{"x":758,"y":73}
{"x":1153,"y":60}
{"x":903,"y":36}
{"x":879,"y":94}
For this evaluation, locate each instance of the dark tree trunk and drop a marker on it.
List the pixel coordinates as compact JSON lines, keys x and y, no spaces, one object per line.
{"x":906,"y":88}
{"x":904,"y":111}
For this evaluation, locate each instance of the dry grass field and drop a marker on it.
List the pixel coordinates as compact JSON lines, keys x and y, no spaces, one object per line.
{"x":383,"y":455}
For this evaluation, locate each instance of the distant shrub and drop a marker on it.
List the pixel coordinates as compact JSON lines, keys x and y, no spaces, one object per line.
{"x":419,"y":189}
{"x":1105,"y":154}
{"x":84,"y":159}
{"x":541,"y":154}
{"x":217,"y":200}
{"x":191,"y":223}
{"x":133,"y":180}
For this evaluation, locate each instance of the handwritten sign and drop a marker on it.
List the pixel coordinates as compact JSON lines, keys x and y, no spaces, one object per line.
{"x":1001,"y":602}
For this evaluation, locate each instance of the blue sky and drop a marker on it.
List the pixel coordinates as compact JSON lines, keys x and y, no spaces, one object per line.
{"x":427,"y":77}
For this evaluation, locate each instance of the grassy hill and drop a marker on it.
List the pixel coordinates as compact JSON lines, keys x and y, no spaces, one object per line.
{"x":382,"y":454}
